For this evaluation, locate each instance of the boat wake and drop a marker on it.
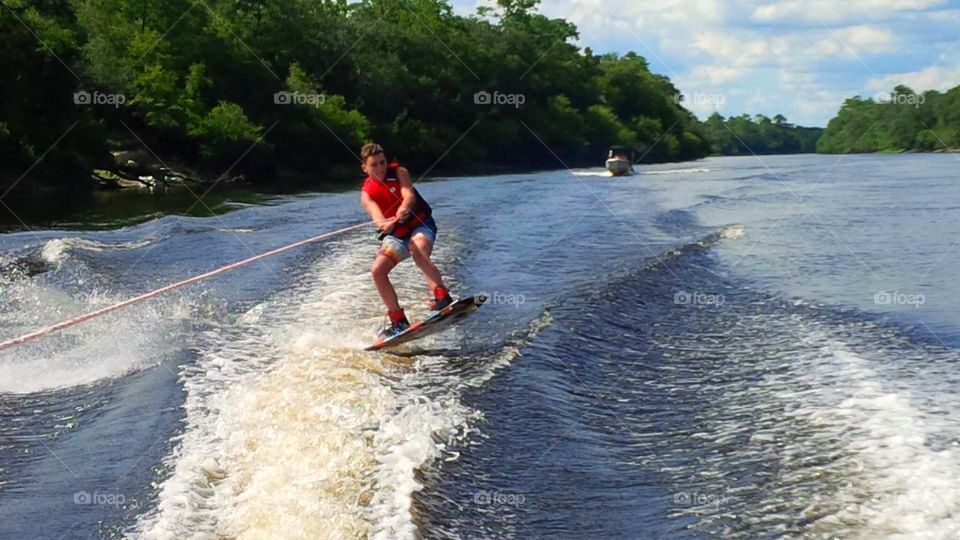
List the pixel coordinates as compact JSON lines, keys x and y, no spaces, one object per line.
{"x":292,"y":430}
{"x":680,"y":171}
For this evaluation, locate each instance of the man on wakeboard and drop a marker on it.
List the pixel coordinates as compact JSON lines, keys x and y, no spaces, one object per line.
{"x":405,"y":218}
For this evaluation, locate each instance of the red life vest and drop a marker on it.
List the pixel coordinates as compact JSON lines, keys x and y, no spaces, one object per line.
{"x":387,"y":195}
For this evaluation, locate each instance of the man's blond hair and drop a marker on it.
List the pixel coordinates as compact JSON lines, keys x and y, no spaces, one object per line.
{"x":370,"y":149}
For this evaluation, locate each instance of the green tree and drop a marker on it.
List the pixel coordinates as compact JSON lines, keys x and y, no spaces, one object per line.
{"x":47,"y":133}
{"x":904,"y":121}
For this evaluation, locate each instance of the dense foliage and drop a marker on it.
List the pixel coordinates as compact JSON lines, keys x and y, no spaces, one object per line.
{"x":903,"y":120}
{"x":746,"y":135}
{"x":298,"y":85}
{"x":295,"y":86}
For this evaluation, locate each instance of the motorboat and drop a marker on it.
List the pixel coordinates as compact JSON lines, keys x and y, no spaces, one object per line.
{"x":619,"y":161}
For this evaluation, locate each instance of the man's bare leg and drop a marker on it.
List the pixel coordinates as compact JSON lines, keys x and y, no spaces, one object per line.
{"x":420,"y":249}
{"x":381,"y":271}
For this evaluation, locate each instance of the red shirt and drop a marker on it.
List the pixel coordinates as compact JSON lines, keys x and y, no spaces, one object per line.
{"x":386,"y":193}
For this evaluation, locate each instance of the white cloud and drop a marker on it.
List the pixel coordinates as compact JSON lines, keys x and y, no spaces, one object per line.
{"x":943,"y":15}
{"x":932,"y":78}
{"x":717,"y":75}
{"x":850,"y":43}
{"x":801,"y":58}
{"x":731,"y":59}
{"x":804,"y":96}
{"x":647,"y":22}
{"x":820,"y":105}
{"x":866,"y":37}
{"x":749,"y":48}
{"x":831,"y":11}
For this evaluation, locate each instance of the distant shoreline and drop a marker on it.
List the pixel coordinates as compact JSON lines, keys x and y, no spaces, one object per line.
{"x":341,"y":178}
{"x":110,"y":209}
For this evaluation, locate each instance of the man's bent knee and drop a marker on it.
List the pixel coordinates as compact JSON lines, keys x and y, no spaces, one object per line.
{"x":382,"y":267}
{"x":418,"y":256}
{"x":420,"y":248}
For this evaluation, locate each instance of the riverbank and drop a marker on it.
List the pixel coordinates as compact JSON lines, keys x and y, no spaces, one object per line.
{"x":110,"y":204}
{"x":103,"y":207}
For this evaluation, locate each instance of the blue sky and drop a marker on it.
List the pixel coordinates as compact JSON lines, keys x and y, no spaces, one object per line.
{"x":799,"y":58}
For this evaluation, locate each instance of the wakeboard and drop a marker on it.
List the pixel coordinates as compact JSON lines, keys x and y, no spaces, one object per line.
{"x":435,"y":322}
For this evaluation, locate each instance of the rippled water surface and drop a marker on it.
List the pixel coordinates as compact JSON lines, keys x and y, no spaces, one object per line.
{"x":738,"y":348}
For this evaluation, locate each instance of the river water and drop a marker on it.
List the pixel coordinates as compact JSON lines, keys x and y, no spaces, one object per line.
{"x":735,"y":347}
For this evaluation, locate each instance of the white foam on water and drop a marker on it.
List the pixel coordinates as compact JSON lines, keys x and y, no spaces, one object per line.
{"x":55,"y":250}
{"x":603,"y":173}
{"x":851,"y":444}
{"x":292,"y":431}
{"x":898,"y":485}
{"x":732,"y":232}
{"x":405,"y":442}
{"x":108,"y":346}
{"x":607,"y":174}
{"x":105,"y":347}
{"x":680,"y":171}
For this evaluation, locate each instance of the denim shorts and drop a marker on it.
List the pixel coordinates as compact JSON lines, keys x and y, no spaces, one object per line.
{"x":396,"y":247}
